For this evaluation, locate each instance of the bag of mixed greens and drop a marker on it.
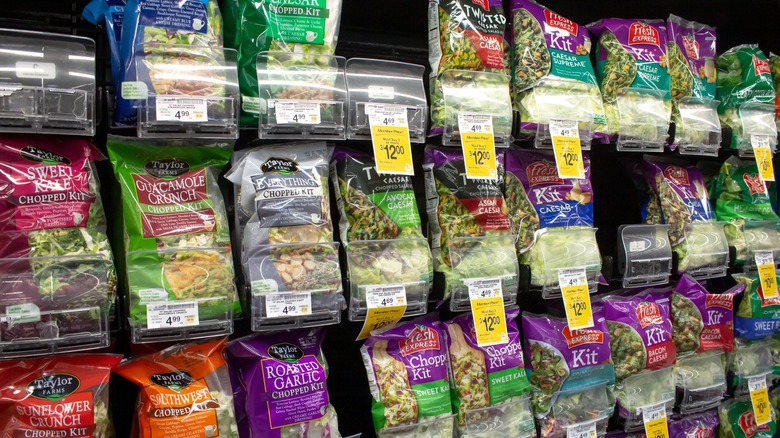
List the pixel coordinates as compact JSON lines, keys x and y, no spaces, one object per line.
{"x":304,"y":28}
{"x":279,"y":385}
{"x":491,"y":376}
{"x":757,"y":317}
{"x":110,"y":13}
{"x":57,"y":397}
{"x":740,"y":196}
{"x":774,"y":68}
{"x":565,"y":360}
{"x":408,"y":373}
{"x":54,"y":252}
{"x":631,"y":59}
{"x":640,"y":331}
{"x":550,"y":61}
{"x":176,"y":230}
{"x":743,"y":78}
{"x":167,"y":34}
{"x":464,"y":35}
{"x":648,"y":200}
{"x":702,"y":321}
{"x":184,"y":392}
{"x":737,"y":421}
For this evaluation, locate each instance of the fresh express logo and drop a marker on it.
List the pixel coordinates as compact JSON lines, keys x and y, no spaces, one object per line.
{"x":54,"y":387}
{"x":554,"y":20}
{"x":543,"y":172}
{"x":575,"y":338}
{"x":725,"y":301}
{"x":648,"y":314}
{"x":760,"y":66}
{"x":285,"y":352}
{"x":754,"y":183}
{"x":484,"y":4}
{"x":747,"y":422}
{"x":421,"y":338}
{"x":175,"y":381}
{"x":279,"y":165}
{"x":701,"y":431}
{"x":168,"y":168}
{"x":38,"y":155}
{"x":691,"y":46}
{"x":641,"y":33}
{"x":678,"y":175}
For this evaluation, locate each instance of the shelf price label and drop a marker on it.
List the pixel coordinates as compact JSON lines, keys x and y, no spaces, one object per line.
{"x":487,"y":308}
{"x":583,"y":430}
{"x":175,"y":314}
{"x":386,"y":306}
{"x":181,"y":109}
{"x":297,"y":113}
{"x":762,"y":149}
{"x":759,"y":397}
{"x":279,"y":305}
{"x":479,"y":148}
{"x":390,"y":137}
{"x":576,"y":298}
{"x":654,"y":418}
{"x":568,"y":151}
{"x":766,"y":272}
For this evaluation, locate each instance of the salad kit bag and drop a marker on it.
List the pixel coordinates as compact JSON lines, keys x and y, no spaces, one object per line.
{"x":111,"y":14}
{"x":737,"y":421}
{"x":756,"y":317}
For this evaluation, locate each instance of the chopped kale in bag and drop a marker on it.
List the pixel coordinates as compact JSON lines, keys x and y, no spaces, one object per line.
{"x":757,"y":317}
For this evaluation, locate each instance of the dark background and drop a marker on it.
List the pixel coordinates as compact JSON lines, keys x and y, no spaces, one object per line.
{"x":397,"y":30}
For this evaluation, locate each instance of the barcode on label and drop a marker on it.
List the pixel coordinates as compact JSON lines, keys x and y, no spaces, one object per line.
{"x":185,"y":101}
{"x":385,"y":296}
{"x":181,"y":306}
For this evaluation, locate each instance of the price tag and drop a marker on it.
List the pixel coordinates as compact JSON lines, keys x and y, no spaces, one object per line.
{"x":762,"y":149}
{"x":386,"y":306}
{"x":280,"y":305}
{"x":654,"y":418}
{"x":760,"y":399}
{"x":766,"y":272}
{"x":566,"y":145}
{"x":181,"y":109}
{"x":487,"y":307}
{"x":479,"y":149}
{"x":390,"y":137}
{"x":584,"y":430}
{"x":300,"y":113}
{"x":576,"y":298}
{"x":172,"y":315}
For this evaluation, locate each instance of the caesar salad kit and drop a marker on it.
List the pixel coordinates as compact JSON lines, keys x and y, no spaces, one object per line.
{"x":178,"y":260}
{"x":290,"y":259}
{"x":57,"y":278}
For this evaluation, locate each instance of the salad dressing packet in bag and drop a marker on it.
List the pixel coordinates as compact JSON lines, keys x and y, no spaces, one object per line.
{"x":757,"y":317}
{"x":279,"y":385}
{"x":184,"y":392}
{"x":60,"y":396}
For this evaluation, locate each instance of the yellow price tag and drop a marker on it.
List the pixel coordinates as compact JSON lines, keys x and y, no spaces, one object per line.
{"x":386,"y":306}
{"x":654,"y":418}
{"x":390,"y":137}
{"x":767,"y":273}
{"x":568,"y":151}
{"x":576,"y":298}
{"x":479,"y":148}
{"x":759,"y":397}
{"x":762,"y":149}
{"x":487,"y":308}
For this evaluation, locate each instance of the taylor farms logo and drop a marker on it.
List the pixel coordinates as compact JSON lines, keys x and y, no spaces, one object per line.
{"x":484,"y":4}
{"x":175,"y":381}
{"x":691,"y":46}
{"x":279,"y":165}
{"x":648,"y":314}
{"x":575,"y":338}
{"x":754,"y":183}
{"x":38,"y":155}
{"x":543,"y":172}
{"x":641,"y":33}
{"x":678,"y":175}
{"x":747,"y":422}
{"x":54,"y":387}
{"x":285,"y":352}
{"x":554,"y":20}
{"x":167,"y":168}
{"x":760,"y":66}
{"x":421,"y":338}
{"x":725,"y":301}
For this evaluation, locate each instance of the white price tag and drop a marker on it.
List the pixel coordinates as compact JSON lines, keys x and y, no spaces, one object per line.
{"x":288,"y":304}
{"x":756,"y":383}
{"x":485,"y":288}
{"x":380,"y":92}
{"x":473,"y":122}
{"x":764,"y":258}
{"x":637,"y":246}
{"x":584,"y":430}
{"x":301,"y":113}
{"x":172,"y":315}
{"x":572,"y":277}
{"x":385,"y":296}
{"x":563,"y":128}
{"x":386,"y":115}
{"x":36,"y":70}
{"x":181,"y":109}
{"x":653,"y":412}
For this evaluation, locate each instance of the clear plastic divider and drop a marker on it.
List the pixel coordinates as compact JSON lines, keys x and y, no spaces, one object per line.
{"x":761,"y":236}
{"x":557,"y":249}
{"x":647,"y":388}
{"x":756,"y":119}
{"x":644,"y":120}
{"x":565,"y":100}
{"x":700,"y":380}
{"x":510,"y":419}
{"x":645,"y":255}
{"x":442,"y":426}
{"x":476,"y":92}
{"x":705,"y":251}
{"x":699,"y":131}
{"x":573,"y":408}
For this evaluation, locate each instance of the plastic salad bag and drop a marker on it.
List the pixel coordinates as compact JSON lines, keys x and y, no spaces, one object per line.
{"x":551,"y":69}
{"x":111,"y":13}
{"x":757,"y":317}
{"x":649,"y":203}
{"x":737,"y":421}
{"x":184,"y":391}
{"x":57,"y":396}
{"x":279,"y":385}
